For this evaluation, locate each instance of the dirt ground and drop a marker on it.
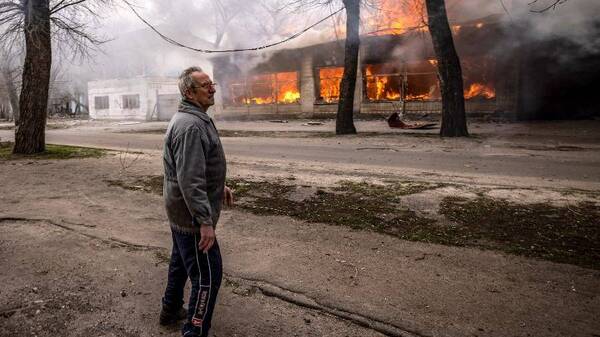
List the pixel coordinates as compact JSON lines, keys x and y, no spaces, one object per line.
{"x":81,"y":256}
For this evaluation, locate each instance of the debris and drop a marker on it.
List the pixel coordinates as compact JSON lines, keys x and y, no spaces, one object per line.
{"x":394,"y":121}
{"x":312,"y":123}
{"x":278,"y":121}
{"x":123,"y":293}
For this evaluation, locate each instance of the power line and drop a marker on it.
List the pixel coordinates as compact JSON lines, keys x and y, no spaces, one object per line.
{"x":209,"y":51}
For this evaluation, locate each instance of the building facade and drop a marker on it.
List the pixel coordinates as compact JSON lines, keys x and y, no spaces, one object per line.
{"x":140,"y":98}
{"x":395,"y":73}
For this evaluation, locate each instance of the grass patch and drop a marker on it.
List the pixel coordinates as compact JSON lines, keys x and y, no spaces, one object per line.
{"x":356,"y":205}
{"x":52,"y":152}
{"x":560,"y":234}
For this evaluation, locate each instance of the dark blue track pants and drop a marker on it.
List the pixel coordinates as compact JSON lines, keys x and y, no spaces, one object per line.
{"x":205,"y":272}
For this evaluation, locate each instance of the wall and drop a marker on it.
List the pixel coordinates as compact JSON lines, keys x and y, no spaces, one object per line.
{"x":148,"y":90}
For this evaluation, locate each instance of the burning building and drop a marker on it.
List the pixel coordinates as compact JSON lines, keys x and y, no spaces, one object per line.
{"x":396,"y":71}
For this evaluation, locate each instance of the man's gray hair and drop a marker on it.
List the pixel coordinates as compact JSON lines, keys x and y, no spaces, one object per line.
{"x":186,"y":82}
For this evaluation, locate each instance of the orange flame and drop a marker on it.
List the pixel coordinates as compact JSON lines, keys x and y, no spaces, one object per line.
{"x":329,"y":83}
{"x":394,"y":17}
{"x":281,"y":88}
{"x":480,"y":90}
{"x":287,"y":87}
{"x":380,"y":87}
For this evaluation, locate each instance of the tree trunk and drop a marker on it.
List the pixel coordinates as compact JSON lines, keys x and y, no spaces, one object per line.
{"x":13,"y":96}
{"x":30,"y":133}
{"x":454,"y":122}
{"x":344,"y":123}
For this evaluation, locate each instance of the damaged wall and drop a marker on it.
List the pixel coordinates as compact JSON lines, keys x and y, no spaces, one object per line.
{"x":392,"y":68}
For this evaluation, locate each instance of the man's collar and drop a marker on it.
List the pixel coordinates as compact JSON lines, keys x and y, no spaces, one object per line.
{"x":191,"y":108}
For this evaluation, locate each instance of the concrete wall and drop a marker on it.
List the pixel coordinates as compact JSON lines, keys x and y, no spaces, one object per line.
{"x":148,"y":90}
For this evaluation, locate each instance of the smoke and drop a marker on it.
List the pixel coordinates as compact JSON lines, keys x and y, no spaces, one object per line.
{"x":134,"y":50}
{"x":575,"y":21}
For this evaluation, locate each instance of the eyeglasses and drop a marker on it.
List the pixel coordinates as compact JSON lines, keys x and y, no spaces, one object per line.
{"x":206,"y":85}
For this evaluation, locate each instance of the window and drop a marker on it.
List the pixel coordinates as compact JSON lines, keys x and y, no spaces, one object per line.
{"x":101,"y":102}
{"x":329,"y":84}
{"x":131,"y":101}
{"x":383,"y":82}
{"x":271,"y":88}
{"x":421,"y":81}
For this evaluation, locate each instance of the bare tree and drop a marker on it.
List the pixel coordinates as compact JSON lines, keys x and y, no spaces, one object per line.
{"x":344,"y":123}
{"x":541,"y":7}
{"x":10,"y":68}
{"x":40,"y":21}
{"x":454,"y":122}
{"x":272,"y":19}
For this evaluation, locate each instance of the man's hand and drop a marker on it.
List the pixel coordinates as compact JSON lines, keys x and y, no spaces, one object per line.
{"x":228,"y":197}
{"x":207,"y":238}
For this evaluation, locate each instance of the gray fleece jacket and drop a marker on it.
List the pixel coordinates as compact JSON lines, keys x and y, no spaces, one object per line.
{"x":195,"y":169}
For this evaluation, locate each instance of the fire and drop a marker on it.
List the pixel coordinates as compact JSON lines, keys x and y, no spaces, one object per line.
{"x":380,"y":87}
{"x":479,"y":90}
{"x":329,"y":83}
{"x":479,"y":25}
{"x":258,"y":100}
{"x":397,"y":17}
{"x":287,"y":87}
{"x":289,"y":97}
{"x":280,"y":88}
{"x":416,"y":97}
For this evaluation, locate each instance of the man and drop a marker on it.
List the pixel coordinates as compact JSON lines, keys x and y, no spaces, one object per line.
{"x":194,"y":189}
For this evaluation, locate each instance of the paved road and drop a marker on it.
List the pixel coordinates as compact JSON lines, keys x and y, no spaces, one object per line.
{"x":488,"y":157}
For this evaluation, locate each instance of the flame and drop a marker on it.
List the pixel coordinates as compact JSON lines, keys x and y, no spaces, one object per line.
{"x":479,"y":25}
{"x":394,"y":17}
{"x":289,"y":97}
{"x":329,"y":83}
{"x":479,"y":90}
{"x":415,"y":97}
{"x":433,"y":62}
{"x":287,"y":87}
{"x":281,"y":88}
{"x":380,"y":87}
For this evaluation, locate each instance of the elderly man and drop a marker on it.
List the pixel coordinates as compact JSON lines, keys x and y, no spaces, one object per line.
{"x":194,"y":190}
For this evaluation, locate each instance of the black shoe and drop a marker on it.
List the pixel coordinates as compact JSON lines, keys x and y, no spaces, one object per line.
{"x":169,"y":317}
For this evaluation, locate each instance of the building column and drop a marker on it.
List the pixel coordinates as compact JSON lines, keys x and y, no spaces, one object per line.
{"x":307,"y":85}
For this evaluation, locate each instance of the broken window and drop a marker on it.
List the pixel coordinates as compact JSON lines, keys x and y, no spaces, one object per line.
{"x":287,"y":87}
{"x":383,"y":82}
{"x":421,"y":81}
{"x":479,"y":79}
{"x":329,"y":84}
{"x":280,"y":88}
{"x":101,"y":102}
{"x":261,"y":89}
{"x":131,"y":101}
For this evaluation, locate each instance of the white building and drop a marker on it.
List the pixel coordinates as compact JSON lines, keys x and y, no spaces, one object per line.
{"x":139,"y":98}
